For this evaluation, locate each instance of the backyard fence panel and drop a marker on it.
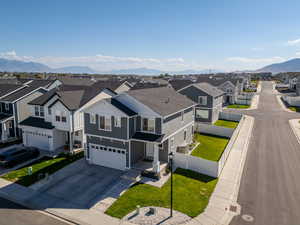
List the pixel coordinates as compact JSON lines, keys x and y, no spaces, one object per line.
{"x":230,"y":116}
{"x":214,"y":130}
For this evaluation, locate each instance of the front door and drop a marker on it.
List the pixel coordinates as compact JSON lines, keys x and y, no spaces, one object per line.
{"x":149,"y":150}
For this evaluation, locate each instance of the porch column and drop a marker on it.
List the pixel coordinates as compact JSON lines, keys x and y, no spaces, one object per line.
{"x":156,"y":163}
{"x":2,"y":133}
{"x":71,"y":141}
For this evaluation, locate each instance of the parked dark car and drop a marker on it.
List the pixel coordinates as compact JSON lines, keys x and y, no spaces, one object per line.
{"x":16,"y":156}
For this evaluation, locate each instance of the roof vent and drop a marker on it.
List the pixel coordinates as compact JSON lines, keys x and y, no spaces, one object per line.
{"x":167,"y":100}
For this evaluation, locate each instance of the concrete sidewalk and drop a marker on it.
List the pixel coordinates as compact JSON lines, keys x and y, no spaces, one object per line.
{"x":223,"y":206}
{"x":48,"y":203}
{"x":220,"y":210}
{"x":295,"y":125}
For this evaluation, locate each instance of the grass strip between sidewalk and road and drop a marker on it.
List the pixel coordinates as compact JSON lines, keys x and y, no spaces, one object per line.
{"x":191,"y":193}
{"x":40,"y":168}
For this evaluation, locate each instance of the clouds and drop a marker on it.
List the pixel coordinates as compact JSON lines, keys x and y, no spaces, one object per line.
{"x":102,"y":62}
{"x":293,"y":42}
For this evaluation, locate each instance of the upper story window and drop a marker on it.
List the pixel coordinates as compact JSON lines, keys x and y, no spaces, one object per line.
{"x":92,"y":118}
{"x":39,"y":111}
{"x":202,"y":100}
{"x":229,"y":90}
{"x":6,"y":106}
{"x":105,"y":123}
{"x":148,"y":125}
{"x":49,"y":111}
{"x":117,"y":121}
{"x":60,"y":116}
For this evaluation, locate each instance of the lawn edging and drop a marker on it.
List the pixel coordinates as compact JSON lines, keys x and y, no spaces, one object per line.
{"x":205,"y":166}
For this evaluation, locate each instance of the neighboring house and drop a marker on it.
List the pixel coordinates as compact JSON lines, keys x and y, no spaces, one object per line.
{"x":144,"y":124}
{"x":209,"y":101}
{"x":231,"y":92}
{"x":114,"y":85}
{"x":293,"y":83}
{"x":56,"y":120}
{"x":14,"y":108}
{"x":178,"y":84}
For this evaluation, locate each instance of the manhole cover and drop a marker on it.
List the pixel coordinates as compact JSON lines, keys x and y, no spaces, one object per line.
{"x":247,"y":218}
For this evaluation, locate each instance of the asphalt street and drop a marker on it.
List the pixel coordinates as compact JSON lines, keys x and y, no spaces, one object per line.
{"x":270,"y":185}
{"x":13,"y":214}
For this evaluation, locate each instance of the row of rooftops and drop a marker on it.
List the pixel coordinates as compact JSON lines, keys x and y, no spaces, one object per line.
{"x":162,"y":97}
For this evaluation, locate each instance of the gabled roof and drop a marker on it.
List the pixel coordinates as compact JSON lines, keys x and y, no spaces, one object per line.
{"x":163,"y":100}
{"x":178,"y":84}
{"x":112,"y":84}
{"x":209,"y":89}
{"x":5,"y":89}
{"x":37,"y":122}
{"x":122,"y":107}
{"x":73,"y":97}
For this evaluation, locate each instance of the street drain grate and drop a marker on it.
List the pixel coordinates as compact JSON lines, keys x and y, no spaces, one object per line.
{"x":233,"y":208}
{"x":247,"y":218}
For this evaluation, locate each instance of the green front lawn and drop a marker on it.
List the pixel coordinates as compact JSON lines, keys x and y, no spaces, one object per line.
{"x":41,"y":166}
{"x":294,"y":108}
{"x":226,"y":123}
{"x":191,"y":192}
{"x":210,"y":147}
{"x":236,"y":106}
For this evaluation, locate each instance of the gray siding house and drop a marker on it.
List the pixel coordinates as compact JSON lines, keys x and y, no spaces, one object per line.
{"x":209,"y":101}
{"x":138,"y":126}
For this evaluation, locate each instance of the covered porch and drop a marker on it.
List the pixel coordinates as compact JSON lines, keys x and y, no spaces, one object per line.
{"x":149,"y":154}
{"x":7,"y":128}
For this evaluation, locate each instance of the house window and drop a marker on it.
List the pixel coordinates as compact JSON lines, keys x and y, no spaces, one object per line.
{"x":63,"y":117}
{"x":108,"y":123}
{"x":49,"y":111}
{"x":57,"y":118}
{"x":105,"y":123}
{"x":148,"y":125}
{"x":42,"y":113}
{"x":6,"y":106}
{"x":36,"y":111}
{"x":92,"y":118}
{"x":117,"y":121}
{"x":202,"y":100}
{"x":39,"y":111}
{"x":203,"y":114}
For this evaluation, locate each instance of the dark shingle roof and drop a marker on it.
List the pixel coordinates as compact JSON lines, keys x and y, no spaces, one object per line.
{"x":73,"y":97}
{"x":180,"y":83}
{"x":37,"y":122}
{"x":109,"y":84}
{"x":76,"y":81}
{"x":209,"y":89}
{"x":145,"y":85}
{"x":122,"y":107}
{"x":163,"y":100}
{"x":148,"y":137}
{"x":8,"y":88}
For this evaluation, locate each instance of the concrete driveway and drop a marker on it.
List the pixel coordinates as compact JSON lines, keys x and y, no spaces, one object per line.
{"x":85,"y":186}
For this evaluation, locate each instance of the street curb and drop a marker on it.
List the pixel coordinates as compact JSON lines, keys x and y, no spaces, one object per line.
{"x":279,"y":100}
{"x":294,"y":129}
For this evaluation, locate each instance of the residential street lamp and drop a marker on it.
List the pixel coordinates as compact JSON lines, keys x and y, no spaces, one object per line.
{"x":171,"y":168}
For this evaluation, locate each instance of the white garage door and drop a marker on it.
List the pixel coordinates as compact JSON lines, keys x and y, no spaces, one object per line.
{"x":38,"y":140}
{"x":108,"y":156}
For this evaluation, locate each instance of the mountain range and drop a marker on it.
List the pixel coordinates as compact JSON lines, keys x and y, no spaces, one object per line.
{"x":8,"y":65}
{"x":292,"y":65}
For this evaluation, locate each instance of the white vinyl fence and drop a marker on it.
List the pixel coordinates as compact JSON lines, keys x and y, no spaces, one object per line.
{"x":214,"y":130}
{"x":230,"y":116}
{"x":207,"y":167}
{"x":292,"y":100}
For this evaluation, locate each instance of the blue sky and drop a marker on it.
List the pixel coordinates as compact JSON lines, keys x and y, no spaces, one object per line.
{"x":160,"y":34}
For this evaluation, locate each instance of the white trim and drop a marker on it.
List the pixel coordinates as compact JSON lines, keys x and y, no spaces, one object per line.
{"x":164,"y":117}
{"x":109,"y":138}
{"x":24,"y":96}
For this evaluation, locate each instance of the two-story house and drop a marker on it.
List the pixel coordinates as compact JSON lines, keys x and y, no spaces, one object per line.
{"x":209,"y":101}
{"x":56,"y":120}
{"x":144,"y":124}
{"x":13,"y":105}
